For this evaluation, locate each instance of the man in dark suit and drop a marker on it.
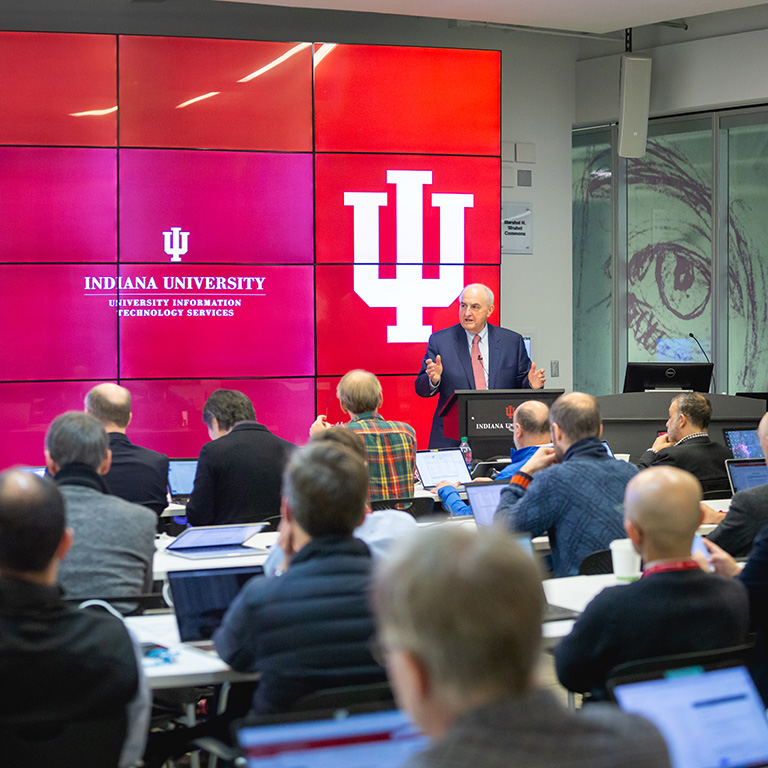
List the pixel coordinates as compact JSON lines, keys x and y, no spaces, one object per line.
{"x":747,"y":513}
{"x":240,"y":471}
{"x":473,"y":355}
{"x":687,"y":444}
{"x":137,"y":474}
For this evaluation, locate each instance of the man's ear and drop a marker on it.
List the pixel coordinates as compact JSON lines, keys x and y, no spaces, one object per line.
{"x":418,"y":675}
{"x":633,"y":533}
{"x":600,"y":433}
{"x":556,"y":432}
{"x":106,"y":464}
{"x":50,"y":464}
{"x":285,"y":510}
{"x":130,"y":418}
{"x":64,"y":544}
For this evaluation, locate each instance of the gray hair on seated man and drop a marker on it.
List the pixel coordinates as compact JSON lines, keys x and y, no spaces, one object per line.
{"x":459,"y":617}
{"x":75,"y":437}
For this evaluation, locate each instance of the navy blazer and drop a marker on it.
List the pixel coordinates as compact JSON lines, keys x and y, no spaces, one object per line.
{"x":509,"y":367}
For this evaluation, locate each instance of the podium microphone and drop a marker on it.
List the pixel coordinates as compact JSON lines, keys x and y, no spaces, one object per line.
{"x":706,"y":358}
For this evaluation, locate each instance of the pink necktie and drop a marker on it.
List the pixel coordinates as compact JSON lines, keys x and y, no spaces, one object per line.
{"x":477,"y":364}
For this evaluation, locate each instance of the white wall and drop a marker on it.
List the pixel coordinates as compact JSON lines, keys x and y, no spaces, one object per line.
{"x":538,"y":84}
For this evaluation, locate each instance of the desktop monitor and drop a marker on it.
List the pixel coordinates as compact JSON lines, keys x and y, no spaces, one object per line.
{"x":641,"y":377}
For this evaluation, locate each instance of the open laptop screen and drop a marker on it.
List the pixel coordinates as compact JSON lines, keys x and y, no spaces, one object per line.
{"x":434,"y":466}
{"x":380,"y":739}
{"x":743,"y":443}
{"x":181,"y":476}
{"x":483,"y":500}
{"x":708,"y":719}
{"x":746,"y":473}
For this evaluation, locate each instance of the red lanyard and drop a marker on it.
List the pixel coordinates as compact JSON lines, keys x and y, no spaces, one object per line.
{"x":672,"y":565}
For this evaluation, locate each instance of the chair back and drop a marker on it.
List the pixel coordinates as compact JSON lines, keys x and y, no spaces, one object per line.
{"x":95,"y":743}
{"x":596,"y":563}
{"x":344,"y":697}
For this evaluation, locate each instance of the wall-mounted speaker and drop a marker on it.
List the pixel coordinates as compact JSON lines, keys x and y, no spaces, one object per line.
{"x":634,"y":102}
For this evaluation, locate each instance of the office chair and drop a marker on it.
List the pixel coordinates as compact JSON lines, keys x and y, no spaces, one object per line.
{"x":598,"y":562}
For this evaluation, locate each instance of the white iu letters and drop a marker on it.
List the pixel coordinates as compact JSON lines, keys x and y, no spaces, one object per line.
{"x":175,"y":243}
{"x":409,"y":291}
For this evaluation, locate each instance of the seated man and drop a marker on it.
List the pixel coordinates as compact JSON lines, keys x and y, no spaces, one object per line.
{"x":59,"y":665}
{"x":687,"y":444}
{"x":136,"y":474}
{"x":114,"y":539}
{"x":674,"y":608}
{"x":458,"y":616}
{"x":238,"y":472}
{"x":309,"y":628}
{"x":390,"y":445}
{"x":530,"y":430}
{"x":747,"y":513}
{"x":578,"y":500}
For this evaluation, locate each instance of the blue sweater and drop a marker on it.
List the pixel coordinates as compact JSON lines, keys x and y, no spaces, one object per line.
{"x":577,"y":502}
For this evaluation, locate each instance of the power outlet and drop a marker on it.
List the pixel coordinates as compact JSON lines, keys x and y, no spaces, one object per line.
{"x":554,"y":368}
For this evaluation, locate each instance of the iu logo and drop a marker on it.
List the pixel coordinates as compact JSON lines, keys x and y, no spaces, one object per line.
{"x":510,"y":411}
{"x":175,"y":243}
{"x":409,"y":291}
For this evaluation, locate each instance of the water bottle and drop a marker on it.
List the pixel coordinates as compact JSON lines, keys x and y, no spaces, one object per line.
{"x":466,"y":450}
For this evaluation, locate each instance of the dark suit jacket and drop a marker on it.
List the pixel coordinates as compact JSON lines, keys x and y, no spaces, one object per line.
{"x":238,"y":477}
{"x":755,"y":579}
{"x":509,"y":366}
{"x":700,"y":456}
{"x":137,"y":474}
{"x":746,"y":516}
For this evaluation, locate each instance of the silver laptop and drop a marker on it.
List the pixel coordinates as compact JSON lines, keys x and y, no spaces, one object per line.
{"x":483,"y":499}
{"x":181,"y":479}
{"x":207,"y":541}
{"x":746,"y":473}
{"x":446,"y":464}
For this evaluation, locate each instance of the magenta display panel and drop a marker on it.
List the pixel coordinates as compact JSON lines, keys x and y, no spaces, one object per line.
{"x":425,"y":208}
{"x":225,"y":206}
{"x":168,"y":415}
{"x":58,"y":204}
{"x":28,"y":409}
{"x":50,"y":328}
{"x":191,"y":92}
{"x":58,"y":89}
{"x":187,"y":321}
{"x":371,"y":98}
{"x":351,"y":334}
{"x":401,"y":403}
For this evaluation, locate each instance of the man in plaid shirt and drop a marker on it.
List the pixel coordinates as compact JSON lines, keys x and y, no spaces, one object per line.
{"x":390,"y":445}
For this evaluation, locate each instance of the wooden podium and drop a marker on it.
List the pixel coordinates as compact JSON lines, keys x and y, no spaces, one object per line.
{"x":484,"y":416}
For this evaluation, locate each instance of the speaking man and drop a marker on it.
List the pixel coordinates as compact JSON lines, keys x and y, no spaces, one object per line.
{"x":687,"y":444}
{"x":136,"y":474}
{"x":473,"y":355}
{"x":458,"y":616}
{"x":674,"y":608}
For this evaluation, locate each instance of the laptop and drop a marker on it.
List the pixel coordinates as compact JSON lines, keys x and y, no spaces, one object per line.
{"x":444,"y":464}
{"x":382,"y":739}
{"x":39,"y":471}
{"x":708,"y":717}
{"x":181,"y":479}
{"x":746,"y":473}
{"x":215,"y":541}
{"x":743,"y":443}
{"x":483,"y":499}
{"x":201,"y":598}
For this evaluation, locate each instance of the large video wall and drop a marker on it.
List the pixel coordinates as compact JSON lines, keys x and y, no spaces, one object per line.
{"x":180,"y":214}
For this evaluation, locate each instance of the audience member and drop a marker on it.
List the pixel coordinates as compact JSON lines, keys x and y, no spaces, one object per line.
{"x":530,"y":430}
{"x":687,"y":444}
{"x":390,"y":446}
{"x":59,"y":665}
{"x":458,"y":615}
{"x":137,"y":474}
{"x":309,"y":628}
{"x":754,"y":577}
{"x":674,"y":608}
{"x":238,"y":472}
{"x":114,"y":540}
{"x":578,"y":500}
{"x":747,"y":513}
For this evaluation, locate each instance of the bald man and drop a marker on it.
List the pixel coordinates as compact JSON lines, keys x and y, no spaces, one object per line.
{"x":137,"y":474}
{"x":675,"y":607}
{"x":747,"y":513}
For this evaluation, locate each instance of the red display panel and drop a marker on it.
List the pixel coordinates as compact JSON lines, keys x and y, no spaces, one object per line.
{"x":58,"y":204}
{"x":225,"y":206}
{"x":28,"y":409}
{"x":168,"y":415}
{"x":186,"y":321}
{"x":58,"y":89}
{"x":401,"y":403}
{"x":188,"y":92}
{"x":350,"y":334}
{"x":422,"y":209}
{"x":50,"y":328}
{"x":389,"y":99}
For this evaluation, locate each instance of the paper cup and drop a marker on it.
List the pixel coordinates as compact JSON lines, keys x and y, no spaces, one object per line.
{"x":626,"y":562}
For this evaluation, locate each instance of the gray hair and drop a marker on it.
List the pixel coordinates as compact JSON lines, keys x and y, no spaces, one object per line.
{"x":467,"y":603}
{"x":77,"y":438}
